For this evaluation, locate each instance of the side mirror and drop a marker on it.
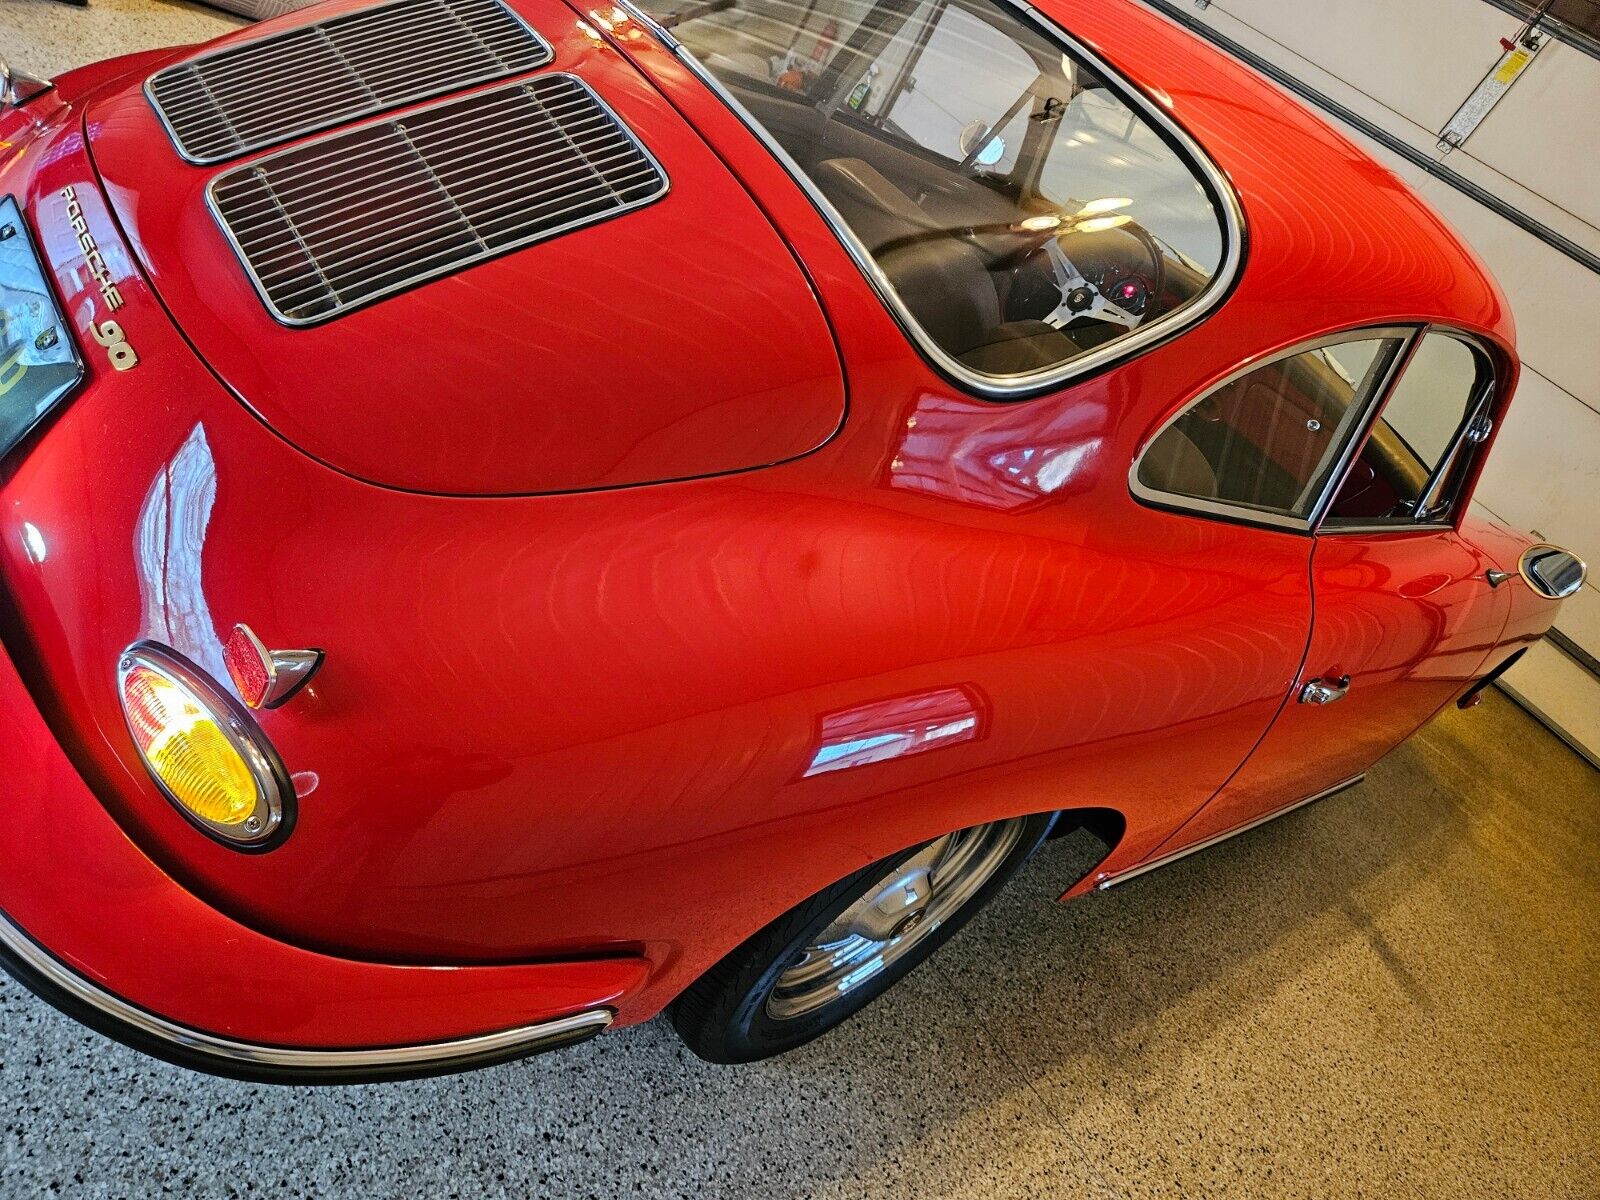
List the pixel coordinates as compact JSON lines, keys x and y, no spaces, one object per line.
{"x":978,"y":138}
{"x":1552,"y":571}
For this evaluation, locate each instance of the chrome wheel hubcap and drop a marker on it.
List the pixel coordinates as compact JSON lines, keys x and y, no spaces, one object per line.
{"x":894,"y":914}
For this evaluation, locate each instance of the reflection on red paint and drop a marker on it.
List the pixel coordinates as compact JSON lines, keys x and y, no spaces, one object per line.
{"x":885,"y":729}
{"x":1000,"y":457}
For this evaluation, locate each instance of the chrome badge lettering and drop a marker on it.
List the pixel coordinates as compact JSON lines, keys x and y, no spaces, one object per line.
{"x":107,"y":333}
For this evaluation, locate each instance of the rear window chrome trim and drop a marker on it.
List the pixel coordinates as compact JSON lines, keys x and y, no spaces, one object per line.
{"x":1016,"y":387}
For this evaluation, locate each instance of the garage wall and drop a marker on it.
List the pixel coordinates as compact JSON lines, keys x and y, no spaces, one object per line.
{"x":1402,"y":70}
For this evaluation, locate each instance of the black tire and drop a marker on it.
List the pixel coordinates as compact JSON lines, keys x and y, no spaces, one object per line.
{"x":724,"y":1016}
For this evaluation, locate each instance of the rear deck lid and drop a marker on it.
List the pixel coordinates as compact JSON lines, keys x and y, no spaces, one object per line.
{"x":505,"y":290}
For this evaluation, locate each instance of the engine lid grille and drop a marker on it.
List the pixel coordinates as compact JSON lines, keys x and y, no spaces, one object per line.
{"x":358,"y":214}
{"x":229,"y":102}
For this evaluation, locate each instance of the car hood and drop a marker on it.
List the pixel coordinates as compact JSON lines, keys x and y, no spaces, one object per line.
{"x":651,"y":346}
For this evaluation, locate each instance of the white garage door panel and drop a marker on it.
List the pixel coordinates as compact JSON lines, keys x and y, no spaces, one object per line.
{"x":1373,"y":45}
{"x":1543,"y":133}
{"x":1556,"y":301}
{"x":1562,"y":693}
{"x":1580,"y":614}
{"x":1544,"y":472}
{"x":1522,"y":199}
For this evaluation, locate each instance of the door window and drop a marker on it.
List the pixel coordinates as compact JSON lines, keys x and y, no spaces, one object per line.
{"x":1420,"y":451}
{"x":1267,"y":442}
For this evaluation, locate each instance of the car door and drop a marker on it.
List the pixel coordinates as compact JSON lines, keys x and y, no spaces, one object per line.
{"x":1404,"y":613}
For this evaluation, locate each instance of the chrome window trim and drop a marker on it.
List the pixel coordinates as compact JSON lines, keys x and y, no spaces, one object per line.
{"x":183,"y":1039}
{"x":1481,"y":403}
{"x":1355,"y":435}
{"x":1011,"y":387}
{"x":148,"y":87}
{"x":1397,"y":526}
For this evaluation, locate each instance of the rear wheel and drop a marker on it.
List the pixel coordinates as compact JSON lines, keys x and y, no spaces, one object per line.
{"x":829,"y":957}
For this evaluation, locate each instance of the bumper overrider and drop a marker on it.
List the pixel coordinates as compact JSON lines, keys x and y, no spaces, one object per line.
{"x":92,"y":926}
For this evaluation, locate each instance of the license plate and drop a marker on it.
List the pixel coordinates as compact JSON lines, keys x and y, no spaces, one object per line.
{"x":39,"y":361}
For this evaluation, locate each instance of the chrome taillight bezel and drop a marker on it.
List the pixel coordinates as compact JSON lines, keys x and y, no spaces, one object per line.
{"x":273,"y":818}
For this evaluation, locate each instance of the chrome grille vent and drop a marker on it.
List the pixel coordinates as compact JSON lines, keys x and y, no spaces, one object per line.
{"x":223,"y":104}
{"x":358,"y":214}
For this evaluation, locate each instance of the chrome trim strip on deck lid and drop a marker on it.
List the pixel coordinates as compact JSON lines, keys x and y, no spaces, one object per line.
{"x":364,"y":212}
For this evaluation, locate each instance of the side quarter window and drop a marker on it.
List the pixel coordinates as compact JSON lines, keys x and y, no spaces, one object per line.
{"x":1411,"y":468}
{"x":1265,"y":443}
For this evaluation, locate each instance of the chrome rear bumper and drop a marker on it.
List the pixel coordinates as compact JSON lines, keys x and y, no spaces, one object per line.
{"x":40,"y":972}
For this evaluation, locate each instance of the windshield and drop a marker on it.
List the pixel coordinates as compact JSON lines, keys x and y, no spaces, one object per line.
{"x":1021,"y":216}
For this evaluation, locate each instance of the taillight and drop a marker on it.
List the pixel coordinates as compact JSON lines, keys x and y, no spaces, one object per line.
{"x":212,"y":761}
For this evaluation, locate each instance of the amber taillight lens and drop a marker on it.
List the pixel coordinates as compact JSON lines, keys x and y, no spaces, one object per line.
{"x":212,"y":761}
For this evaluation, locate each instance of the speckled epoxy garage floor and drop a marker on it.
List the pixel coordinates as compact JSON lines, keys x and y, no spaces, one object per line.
{"x":1395,"y":993}
{"x":1392,"y":994}
{"x":45,"y":37}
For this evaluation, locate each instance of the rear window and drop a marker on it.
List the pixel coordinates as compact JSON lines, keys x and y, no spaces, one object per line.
{"x":1025,"y":216}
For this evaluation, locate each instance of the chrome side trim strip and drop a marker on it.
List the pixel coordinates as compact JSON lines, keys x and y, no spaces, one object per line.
{"x":230,"y":1054}
{"x":1111,"y":881}
{"x":1010,"y":387}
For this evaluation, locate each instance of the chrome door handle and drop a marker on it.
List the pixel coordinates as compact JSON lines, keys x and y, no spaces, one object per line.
{"x":1325,"y":691}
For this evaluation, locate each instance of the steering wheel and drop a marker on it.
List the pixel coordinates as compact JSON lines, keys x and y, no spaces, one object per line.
{"x":1083,"y":297}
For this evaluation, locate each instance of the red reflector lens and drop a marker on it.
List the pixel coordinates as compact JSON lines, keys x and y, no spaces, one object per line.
{"x":248,"y":665}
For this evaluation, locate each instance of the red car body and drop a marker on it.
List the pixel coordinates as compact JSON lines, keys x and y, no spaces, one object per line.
{"x":628,"y":549}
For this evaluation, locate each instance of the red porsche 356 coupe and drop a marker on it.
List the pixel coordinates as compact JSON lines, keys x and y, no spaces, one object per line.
{"x":515,"y":516}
